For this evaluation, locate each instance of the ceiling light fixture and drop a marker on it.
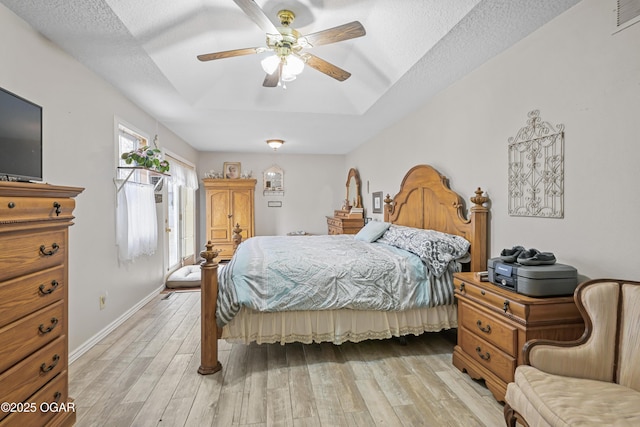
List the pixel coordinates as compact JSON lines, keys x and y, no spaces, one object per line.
{"x":275,"y":143}
{"x":291,"y":66}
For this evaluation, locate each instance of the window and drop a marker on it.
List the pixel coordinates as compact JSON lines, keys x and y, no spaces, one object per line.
{"x":136,"y":217}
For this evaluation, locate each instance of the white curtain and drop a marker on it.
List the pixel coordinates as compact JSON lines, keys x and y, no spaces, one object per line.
{"x":136,"y":221}
{"x":182,"y":175}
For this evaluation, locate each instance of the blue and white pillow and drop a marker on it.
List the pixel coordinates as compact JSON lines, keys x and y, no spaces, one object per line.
{"x":435,"y":249}
{"x":372,"y":231}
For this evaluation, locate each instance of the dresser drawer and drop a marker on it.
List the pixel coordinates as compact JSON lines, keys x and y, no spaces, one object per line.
{"x":25,"y":253}
{"x":51,"y":396}
{"x":22,"y":337}
{"x":488,"y":328}
{"x":19,"y":382}
{"x":487,"y":355}
{"x":26,"y":294}
{"x":333,"y":222}
{"x":492,"y":300}
{"x":26,"y":209}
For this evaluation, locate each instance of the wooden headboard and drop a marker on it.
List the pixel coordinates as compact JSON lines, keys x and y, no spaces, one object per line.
{"x":426,"y":201}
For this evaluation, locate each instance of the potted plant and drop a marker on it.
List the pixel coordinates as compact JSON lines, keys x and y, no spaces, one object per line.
{"x":147,"y":157}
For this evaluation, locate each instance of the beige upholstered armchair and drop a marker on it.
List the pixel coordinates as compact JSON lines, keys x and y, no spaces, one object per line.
{"x":594,"y":381}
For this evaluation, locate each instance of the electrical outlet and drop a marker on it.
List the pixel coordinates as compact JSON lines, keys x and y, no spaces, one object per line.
{"x":103,"y":301}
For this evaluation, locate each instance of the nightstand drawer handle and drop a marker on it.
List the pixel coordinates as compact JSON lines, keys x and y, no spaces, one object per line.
{"x":54,"y":249}
{"x":44,"y":330}
{"x":44,"y":368}
{"x":486,"y":329}
{"x":505,"y":306}
{"x":54,"y":286}
{"x":462,"y":287}
{"x":485,"y":356}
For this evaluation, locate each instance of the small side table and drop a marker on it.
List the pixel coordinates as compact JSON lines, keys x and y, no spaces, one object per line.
{"x":494,"y":324}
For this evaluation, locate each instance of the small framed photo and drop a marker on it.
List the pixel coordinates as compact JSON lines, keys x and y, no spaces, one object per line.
{"x":231,"y":170}
{"x":377,"y":202}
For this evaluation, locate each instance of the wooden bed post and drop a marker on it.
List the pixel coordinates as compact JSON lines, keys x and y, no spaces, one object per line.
{"x":209,"y":363}
{"x":479,"y":231}
{"x":237,"y":236}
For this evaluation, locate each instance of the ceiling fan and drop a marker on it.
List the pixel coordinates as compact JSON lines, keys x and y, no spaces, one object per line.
{"x":288,"y":44}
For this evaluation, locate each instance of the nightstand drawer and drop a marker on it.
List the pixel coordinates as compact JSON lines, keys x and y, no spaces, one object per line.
{"x":487,"y":355}
{"x":488,"y":328}
{"x":492,"y":300}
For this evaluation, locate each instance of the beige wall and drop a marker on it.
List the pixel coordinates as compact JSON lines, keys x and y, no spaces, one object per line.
{"x":576,"y":73}
{"x":79,"y":150}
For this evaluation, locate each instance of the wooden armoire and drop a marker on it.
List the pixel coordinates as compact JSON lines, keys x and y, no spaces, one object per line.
{"x":34,"y":288}
{"x":229,"y":202}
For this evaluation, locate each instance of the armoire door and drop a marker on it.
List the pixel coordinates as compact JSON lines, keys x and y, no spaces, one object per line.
{"x":242,"y":211}
{"x":219,"y":216}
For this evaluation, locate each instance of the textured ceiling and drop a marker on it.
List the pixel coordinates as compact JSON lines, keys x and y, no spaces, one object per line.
{"x":412,"y":50}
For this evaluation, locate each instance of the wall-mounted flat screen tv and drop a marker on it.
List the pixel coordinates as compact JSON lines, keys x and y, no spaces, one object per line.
{"x":20,"y":138}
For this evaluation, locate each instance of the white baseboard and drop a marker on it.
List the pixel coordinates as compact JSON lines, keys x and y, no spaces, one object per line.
{"x":86,"y":346}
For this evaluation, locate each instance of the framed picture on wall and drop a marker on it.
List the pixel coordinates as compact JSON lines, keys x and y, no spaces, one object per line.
{"x":231,"y":170}
{"x":376,"y":204}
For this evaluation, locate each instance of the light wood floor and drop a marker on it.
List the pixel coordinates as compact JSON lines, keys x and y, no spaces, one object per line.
{"x":145,"y":374}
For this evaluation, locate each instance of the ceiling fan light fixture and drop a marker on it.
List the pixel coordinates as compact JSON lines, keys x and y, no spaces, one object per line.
{"x":270,"y":64}
{"x":293,"y":65}
{"x":275,"y":143}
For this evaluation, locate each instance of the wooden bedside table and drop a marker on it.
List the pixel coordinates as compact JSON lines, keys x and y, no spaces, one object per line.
{"x":494,"y":324}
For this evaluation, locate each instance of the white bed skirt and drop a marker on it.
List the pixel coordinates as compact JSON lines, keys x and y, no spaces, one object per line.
{"x":336,"y":326}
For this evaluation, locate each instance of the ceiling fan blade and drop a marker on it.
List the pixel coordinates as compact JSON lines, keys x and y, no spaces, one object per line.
{"x":271,"y":80}
{"x":229,"y":53}
{"x":251,"y":8}
{"x":336,"y":34}
{"x":325,"y":67}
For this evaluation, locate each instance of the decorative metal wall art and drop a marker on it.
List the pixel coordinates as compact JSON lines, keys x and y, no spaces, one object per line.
{"x":536,"y":169}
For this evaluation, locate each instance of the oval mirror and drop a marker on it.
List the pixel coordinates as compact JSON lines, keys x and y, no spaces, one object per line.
{"x":353,"y":189}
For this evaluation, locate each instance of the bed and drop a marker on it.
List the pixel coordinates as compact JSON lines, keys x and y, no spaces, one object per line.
{"x":424,"y":201}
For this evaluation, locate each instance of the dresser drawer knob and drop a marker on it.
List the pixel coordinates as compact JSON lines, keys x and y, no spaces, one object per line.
{"x":56,"y":396}
{"x":505,"y":306}
{"x":486,"y":329}
{"x":44,"y":330}
{"x":54,"y":286}
{"x":44,"y":368}
{"x":462,"y":287}
{"x":54,"y":249}
{"x":57,"y":206}
{"x":485,"y":356}
{"x":11,"y":205}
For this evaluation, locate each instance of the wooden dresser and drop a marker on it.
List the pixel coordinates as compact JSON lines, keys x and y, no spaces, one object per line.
{"x":494,"y":324}
{"x":229,"y":202}
{"x":342,"y":223}
{"x":34,"y":222}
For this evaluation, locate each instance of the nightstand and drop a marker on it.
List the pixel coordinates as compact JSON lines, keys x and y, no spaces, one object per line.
{"x":494,"y":324}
